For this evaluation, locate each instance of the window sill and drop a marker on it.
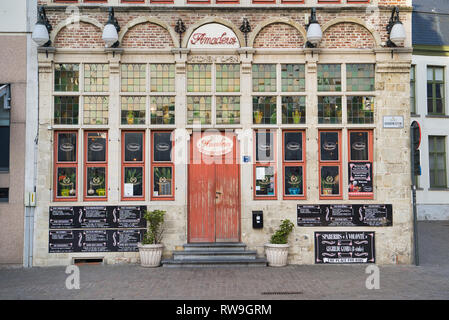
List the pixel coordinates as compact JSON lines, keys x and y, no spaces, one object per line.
{"x":438,"y":189}
{"x":437,"y":116}
{"x":415,"y":115}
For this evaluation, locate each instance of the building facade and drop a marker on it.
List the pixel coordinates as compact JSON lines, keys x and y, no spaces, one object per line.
{"x":429,"y":105}
{"x":18,"y":128}
{"x":220,"y":122}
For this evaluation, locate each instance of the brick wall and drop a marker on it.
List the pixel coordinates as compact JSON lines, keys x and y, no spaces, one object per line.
{"x":147,"y":35}
{"x":347,"y":35}
{"x":279,"y":35}
{"x":82,"y":35}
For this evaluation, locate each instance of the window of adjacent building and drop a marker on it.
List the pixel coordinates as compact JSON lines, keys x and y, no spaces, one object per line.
{"x":288,"y":95}
{"x":4,"y":194}
{"x":162,"y":166}
{"x":95,"y":165}
{"x":437,"y":162}
{"x":213,"y":94}
{"x":435,"y":91}
{"x":265,"y":165}
{"x":133,"y":165}
{"x":412,"y":90}
{"x":5,"y":119}
{"x":293,"y":164}
{"x":360,"y":166}
{"x":330,"y":164}
{"x":66,"y":165}
{"x":135,"y":93}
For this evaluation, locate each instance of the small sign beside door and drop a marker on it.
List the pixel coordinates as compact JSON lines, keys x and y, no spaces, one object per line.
{"x":393,"y":122}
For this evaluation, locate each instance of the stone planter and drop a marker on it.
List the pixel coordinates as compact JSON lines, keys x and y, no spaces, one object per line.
{"x":150,"y":254}
{"x":276,"y":254}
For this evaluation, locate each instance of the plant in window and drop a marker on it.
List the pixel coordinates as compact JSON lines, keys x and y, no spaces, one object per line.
{"x":163,"y":180}
{"x":67,"y":182}
{"x":327,"y":184}
{"x":133,"y":176}
{"x":97,"y":182}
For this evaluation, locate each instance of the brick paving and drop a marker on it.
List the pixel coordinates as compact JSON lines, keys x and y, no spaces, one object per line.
{"x":429,"y":280}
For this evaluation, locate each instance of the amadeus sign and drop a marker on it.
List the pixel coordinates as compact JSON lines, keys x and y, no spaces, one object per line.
{"x":213,"y":36}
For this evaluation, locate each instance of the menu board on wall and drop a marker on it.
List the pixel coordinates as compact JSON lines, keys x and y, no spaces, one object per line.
{"x":97,"y":217}
{"x":360,"y":179}
{"x":344,"y":247}
{"x":345,"y":215}
{"x":65,"y":241}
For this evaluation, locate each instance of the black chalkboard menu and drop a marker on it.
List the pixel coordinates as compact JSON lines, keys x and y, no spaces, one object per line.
{"x":96,"y":228}
{"x":345,"y":215}
{"x":341,"y":247}
{"x":97,"y":217}
{"x":110,"y":240}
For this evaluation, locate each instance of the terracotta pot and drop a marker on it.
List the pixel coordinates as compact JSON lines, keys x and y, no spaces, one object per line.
{"x":276,"y":254}
{"x":150,"y":254}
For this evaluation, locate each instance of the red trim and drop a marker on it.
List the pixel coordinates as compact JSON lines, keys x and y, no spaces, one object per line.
{"x":198,"y":1}
{"x":162,"y":164}
{"x":132,"y":1}
{"x":362,"y":195}
{"x":264,"y":1}
{"x":290,"y":163}
{"x":332,"y":163}
{"x":131,"y":164}
{"x":94,"y":164}
{"x":292,"y":1}
{"x":161,"y":1}
{"x":272,"y":163}
{"x":329,"y":1}
{"x":58,"y":165}
{"x":226,"y":1}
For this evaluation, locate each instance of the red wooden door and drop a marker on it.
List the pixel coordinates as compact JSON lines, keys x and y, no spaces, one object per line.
{"x":214,"y":188}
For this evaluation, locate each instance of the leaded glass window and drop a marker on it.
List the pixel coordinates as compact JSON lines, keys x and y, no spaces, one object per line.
{"x":66,"y":109}
{"x":360,"y":109}
{"x":96,"y":77}
{"x":264,"y":110}
{"x":66,"y":77}
{"x":293,"y":77}
{"x":360,"y":77}
{"x":293,"y":109}
{"x":133,"y":77}
{"x":329,"y":77}
{"x":96,"y":110}
{"x":329,"y":109}
{"x":162,"y":110}
{"x":199,"y":77}
{"x":133,"y":110}
{"x":199,"y":109}
{"x":162,"y":77}
{"x":227,"y":78}
{"x":228,"y":110}
{"x":264,"y":77}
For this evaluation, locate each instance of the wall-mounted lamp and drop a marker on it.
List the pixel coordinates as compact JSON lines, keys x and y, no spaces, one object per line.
{"x":180,"y":28}
{"x":110,"y":31}
{"x":395,"y":30}
{"x":42,"y":29}
{"x":314,"y":33}
{"x":245,"y":28}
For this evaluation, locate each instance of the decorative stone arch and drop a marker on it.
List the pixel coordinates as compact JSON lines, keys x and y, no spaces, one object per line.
{"x":360,"y":22}
{"x":268,"y":22}
{"x":151,"y":20}
{"x":224,"y":22}
{"x":64,"y":23}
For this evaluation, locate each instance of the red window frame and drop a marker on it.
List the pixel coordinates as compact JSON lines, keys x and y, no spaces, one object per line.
{"x":65,"y":1}
{"x":198,"y":1}
{"x":330,"y":163}
{"x":103,"y":1}
{"x":292,"y":1}
{"x":271,"y":163}
{"x":329,"y":1}
{"x":95,"y":164}
{"x":264,"y":1}
{"x":364,"y":195}
{"x":132,"y":1}
{"x":132,"y":164}
{"x":164,"y":164}
{"x":295,"y":163}
{"x":161,"y":1}
{"x":64,"y":164}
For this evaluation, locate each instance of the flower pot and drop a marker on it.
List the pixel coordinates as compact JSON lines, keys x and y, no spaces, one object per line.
{"x":276,"y":254}
{"x":150,"y":254}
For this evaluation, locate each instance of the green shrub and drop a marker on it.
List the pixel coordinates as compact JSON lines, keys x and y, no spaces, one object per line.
{"x":281,"y":234}
{"x":155,"y":221}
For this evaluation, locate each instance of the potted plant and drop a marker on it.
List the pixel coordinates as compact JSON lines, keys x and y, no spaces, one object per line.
{"x":163,"y":180}
{"x":277,"y":249}
{"x":150,"y":249}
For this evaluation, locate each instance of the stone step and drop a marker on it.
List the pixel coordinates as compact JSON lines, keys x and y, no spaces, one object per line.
{"x":214,"y":254}
{"x":195,"y":263}
{"x":214,"y":246}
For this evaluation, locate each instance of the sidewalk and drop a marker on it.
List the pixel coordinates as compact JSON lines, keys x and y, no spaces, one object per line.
{"x":430,"y":280}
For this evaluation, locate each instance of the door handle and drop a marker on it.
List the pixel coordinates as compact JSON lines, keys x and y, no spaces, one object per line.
{"x":217,"y":192}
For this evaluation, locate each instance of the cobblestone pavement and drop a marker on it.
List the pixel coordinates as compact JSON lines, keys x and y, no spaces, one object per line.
{"x":429,"y":280}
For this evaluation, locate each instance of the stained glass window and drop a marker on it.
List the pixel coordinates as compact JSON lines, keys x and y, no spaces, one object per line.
{"x":264,"y":110}
{"x":66,"y":110}
{"x":360,"y":109}
{"x":199,"y":110}
{"x":162,"y":77}
{"x":67,"y":77}
{"x":264,"y":77}
{"x":293,"y":77}
{"x":329,"y":77}
{"x":133,"y":110}
{"x":359,"y":77}
{"x":293,"y":109}
{"x":96,"y":110}
{"x":199,"y":77}
{"x":96,"y":77}
{"x":133,"y":77}
{"x":228,"y":78}
{"x":329,"y":109}
{"x":228,"y":110}
{"x":162,"y":110}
